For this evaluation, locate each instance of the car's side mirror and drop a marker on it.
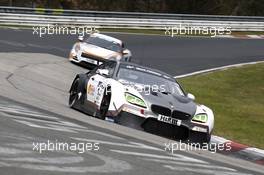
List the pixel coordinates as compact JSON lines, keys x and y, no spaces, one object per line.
{"x":126,"y":55}
{"x":190,"y":96}
{"x":80,"y":38}
{"x":125,"y":52}
{"x":104,"y":72}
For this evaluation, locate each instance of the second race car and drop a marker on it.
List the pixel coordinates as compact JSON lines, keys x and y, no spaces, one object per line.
{"x":142,"y":98}
{"x":97,"y":48}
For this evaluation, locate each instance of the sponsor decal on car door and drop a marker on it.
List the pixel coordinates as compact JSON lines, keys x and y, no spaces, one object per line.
{"x":95,"y":89}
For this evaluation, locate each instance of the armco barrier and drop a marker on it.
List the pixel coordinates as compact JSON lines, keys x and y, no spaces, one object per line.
{"x":38,"y":16}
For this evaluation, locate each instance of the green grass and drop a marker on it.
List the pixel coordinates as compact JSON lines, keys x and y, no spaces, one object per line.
{"x":237,"y":98}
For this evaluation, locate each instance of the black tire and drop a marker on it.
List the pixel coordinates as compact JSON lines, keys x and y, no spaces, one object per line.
{"x":104,"y":106}
{"x":73,"y":97}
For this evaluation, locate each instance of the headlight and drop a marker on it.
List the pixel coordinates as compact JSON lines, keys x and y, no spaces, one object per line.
{"x":200,"y":118}
{"x":77,"y":47}
{"x":135,"y":100}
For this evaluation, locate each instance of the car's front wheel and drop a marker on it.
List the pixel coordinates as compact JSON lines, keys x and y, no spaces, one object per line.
{"x":104,"y":106}
{"x":73,"y":97}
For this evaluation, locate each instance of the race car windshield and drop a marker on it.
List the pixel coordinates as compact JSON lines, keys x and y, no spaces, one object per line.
{"x":149,"y":79}
{"x":104,"y":43}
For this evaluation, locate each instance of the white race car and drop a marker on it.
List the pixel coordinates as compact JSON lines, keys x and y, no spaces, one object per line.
{"x":98,"y":48}
{"x":141,"y":98}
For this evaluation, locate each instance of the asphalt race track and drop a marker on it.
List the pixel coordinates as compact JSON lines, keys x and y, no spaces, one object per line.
{"x":35,"y":79}
{"x":173,"y":55}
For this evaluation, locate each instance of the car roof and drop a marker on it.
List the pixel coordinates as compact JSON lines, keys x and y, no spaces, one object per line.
{"x":147,"y":68}
{"x":106,"y":37}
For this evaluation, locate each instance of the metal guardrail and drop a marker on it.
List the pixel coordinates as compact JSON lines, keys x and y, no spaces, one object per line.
{"x":38,"y":16}
{"x":23,"y":10}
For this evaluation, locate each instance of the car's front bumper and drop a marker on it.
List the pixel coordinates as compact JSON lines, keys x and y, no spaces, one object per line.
{"x":130,"y":120}
{"x":85,"y":60}
{"x":187,"y":131}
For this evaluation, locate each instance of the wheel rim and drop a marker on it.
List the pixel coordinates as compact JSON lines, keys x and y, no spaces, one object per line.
{"x":73,"y":93}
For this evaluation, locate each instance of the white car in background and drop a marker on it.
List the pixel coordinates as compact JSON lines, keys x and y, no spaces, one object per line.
{"x":98,"y":48}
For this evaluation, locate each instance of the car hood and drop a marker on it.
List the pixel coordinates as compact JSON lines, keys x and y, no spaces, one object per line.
{"x":173,"y":102}
{"x":98,"y":51}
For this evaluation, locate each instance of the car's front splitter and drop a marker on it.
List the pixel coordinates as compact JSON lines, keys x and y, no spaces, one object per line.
{"x":184,"y":132}
{"x":130,"y":120}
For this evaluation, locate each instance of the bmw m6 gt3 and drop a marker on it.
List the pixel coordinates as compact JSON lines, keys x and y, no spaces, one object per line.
{"x":142,"y":98}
